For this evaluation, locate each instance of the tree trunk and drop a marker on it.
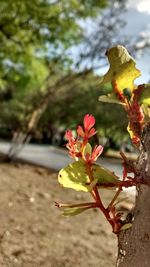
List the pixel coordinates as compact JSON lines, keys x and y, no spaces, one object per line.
{"x":134,"y":243}
{"x":20,"y":139}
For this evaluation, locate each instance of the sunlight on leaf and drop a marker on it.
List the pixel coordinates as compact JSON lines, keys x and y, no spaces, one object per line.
{"x":110,"y":98}
{"x":146,"y":110}
{"x":74,"y":176}
{"x":131,"y":133}
{"x":145,"y":96}
{"x":122,"y":68}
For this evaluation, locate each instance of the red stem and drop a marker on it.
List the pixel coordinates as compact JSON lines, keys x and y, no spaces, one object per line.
{"x":128,"y":183}
{"x":97,"y":198}
{"x":114,"y":198}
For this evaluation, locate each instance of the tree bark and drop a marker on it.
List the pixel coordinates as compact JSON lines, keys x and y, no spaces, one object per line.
{"x":134,"y":243}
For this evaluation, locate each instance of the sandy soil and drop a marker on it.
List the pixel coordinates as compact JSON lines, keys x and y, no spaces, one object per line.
{"x":34,"y":234}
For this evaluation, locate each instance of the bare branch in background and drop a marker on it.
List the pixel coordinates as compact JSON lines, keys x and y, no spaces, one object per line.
{"x":108,"y":30}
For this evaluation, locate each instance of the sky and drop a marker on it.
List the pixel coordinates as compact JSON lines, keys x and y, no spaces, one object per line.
{"x":140,"y":5}
{"x":137,"y":19}
{"x":138,"y":22}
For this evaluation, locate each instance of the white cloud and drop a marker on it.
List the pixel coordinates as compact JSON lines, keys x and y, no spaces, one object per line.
{"x":144,"y":6}
{"x":140,"y":5}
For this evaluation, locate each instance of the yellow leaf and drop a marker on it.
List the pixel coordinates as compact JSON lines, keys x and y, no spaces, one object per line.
{"x":145,"y":96}
{"x":74,"y":176}
{"x":122,"y":68}
{"x":110,"y":98}
{"x":126,"y":226}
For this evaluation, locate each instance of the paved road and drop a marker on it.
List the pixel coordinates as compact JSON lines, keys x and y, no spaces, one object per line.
{"x":55,"y":158}
{"x":47,"y":156}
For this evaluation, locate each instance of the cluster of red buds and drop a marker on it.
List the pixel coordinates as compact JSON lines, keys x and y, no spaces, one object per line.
{"x":79,"y":147}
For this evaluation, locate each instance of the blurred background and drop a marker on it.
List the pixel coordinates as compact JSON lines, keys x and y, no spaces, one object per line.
{"x":52,"y":55}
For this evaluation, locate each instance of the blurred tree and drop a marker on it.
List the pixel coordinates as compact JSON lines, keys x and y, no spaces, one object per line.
{"x":40,"y":28}
{"x":38,"y":71}
{"x":34,"y":37}
{"x":106,"y":30}
{"x":73,"y":100}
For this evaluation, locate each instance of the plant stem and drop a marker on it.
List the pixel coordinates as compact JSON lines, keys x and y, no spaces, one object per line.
{"x":84,"y":205}
{"x":114,"y":198}
{"x":97,"y":197}
{"x":128,"y":183}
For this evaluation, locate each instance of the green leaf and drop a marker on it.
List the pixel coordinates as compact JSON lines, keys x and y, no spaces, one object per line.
{"x":105,"y":177}
{"x":126,"y":226}
{"x":145,"y":95}
{"x":146,"y":110}
{"x":73,"y":211}
{"x":110,"y":98}
{"x":74,"y":176}
{"x":122,"y":68}
{"x":87,"y":149}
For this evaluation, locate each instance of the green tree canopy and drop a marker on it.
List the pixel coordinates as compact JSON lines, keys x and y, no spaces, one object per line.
{"x":40,"y":28}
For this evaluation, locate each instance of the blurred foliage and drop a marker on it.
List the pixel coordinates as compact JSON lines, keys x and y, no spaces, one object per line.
{"x":39,"y":28}
{"x":79,"y":98}
{"x":34,"y":36}
{"x":36,"y":68}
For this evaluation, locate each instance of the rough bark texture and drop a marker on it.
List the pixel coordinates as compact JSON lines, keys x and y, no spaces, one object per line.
{"x":134,"y":243}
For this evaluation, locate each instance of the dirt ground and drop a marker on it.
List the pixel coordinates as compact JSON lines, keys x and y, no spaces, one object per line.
{"x":34,"y":234}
